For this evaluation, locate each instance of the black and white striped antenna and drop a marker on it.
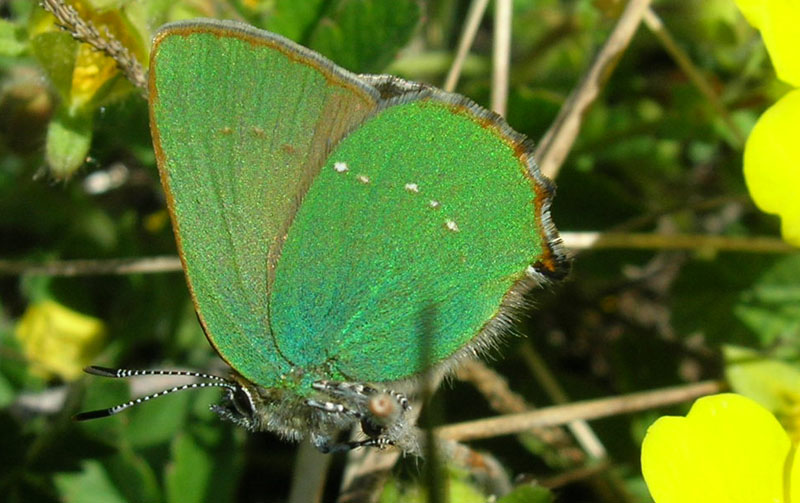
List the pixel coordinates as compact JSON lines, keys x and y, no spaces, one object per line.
{"x":215,"y":382}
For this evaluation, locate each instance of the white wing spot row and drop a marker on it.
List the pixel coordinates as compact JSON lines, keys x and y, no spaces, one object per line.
{"x":342,"y":168}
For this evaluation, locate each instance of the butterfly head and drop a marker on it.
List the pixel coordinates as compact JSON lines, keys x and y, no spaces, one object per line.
{"x":332,"y":407}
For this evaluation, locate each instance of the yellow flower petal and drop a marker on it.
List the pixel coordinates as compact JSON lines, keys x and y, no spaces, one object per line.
{"x":727,"y":449}
{"x":57,"y":340}
{"x":794,"y":477}
{"x":93,"y":70}
{"x":777,"y":20}
{"x":753,"y":10}
{"x":772,"y":163}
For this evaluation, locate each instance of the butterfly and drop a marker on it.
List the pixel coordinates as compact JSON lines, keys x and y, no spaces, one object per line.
{"x":318,"y":213}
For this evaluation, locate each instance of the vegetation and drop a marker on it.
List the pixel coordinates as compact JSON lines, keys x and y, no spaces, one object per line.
{"x":688,"y":287}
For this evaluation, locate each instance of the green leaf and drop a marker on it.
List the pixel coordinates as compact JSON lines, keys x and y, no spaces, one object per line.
{"x":68,"y":140}
{"x":461,"y":490}
{"x":103,"y":5}
{"x":191,"y":470}
{"x":364,"y":36}
{"x":7,"y":393}
{"x":527,"y":494}
{"x":91,"y":485}
{"x":158,"y":421}
{"x":205,"y":467}
{"x":771,"y":307}
{"x":772,"y":383}
{"x":294,"y":19}
{"x":12,"y":39}
{"x":706,"y":292}
{"x":56,"y":52}
{"x":460,"y":486}
{"x":133,"y":477}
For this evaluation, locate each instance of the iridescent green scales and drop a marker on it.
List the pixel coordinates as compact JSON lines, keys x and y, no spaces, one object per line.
{"x":418,"y":205}
{"x":234,"y":149}
{"x":318,"y":213}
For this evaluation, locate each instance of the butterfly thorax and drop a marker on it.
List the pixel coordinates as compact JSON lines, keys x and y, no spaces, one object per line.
{"x":323,"y":413}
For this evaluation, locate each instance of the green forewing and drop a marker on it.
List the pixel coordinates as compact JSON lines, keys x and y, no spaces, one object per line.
{"x":242,"y":121}
{"x":425,"y":204}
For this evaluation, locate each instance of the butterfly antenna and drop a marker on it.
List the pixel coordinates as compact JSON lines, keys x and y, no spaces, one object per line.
{"x":116,"y":373}
{"x":216,"y":382}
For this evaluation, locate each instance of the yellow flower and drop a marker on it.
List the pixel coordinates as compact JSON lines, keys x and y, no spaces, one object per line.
{"x":57,"y":340}
{"x":777,"y":21}
{"x":772,"y":163}
{"x":93,"y":70}
{"x":771,"y":166}
{"x":728,"y":449}
{"x":94,"y":75}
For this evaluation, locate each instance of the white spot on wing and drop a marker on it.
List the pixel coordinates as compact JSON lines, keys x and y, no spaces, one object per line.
{"x":412,"y":187}
{"x":451,"y":226}
{"x":340,"y":167}
{"x":363,"y":179}
{"x":434,"y":204}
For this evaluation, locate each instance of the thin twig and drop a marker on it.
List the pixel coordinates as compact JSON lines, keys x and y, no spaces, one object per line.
{"x":367,"y":470}
{"x":482,"y":466}
{"x":309,"y":474}
{"x":643,"y":241}
{"x":476,"y":10}
{"x":501,"y":56}
{"x":580,"y":429}
{"x":365,"y":474}
{"x":557,"y":142}
{"x":84,"y":31}
{"x":89,"y":267}
{"x":687,"y":206}
{"x":573,"y":240}
{"x":494,"y":387}
{"x":654,"y":23}
{"x":575,"y":475}
{"x":589,"y":409}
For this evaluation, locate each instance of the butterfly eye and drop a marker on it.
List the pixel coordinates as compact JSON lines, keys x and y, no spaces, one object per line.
{"x":371,"y":429}
{"x":242,"y":401}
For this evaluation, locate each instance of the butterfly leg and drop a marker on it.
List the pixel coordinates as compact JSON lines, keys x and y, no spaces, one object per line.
{"x":327,"y":444}
{"x":379,"y":412}
{"x":359,"y":392}
{"x":334,"y":408}
{"x":326,"y":447}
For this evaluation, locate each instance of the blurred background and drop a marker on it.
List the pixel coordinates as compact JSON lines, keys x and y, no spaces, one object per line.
{"x":656,"y":156}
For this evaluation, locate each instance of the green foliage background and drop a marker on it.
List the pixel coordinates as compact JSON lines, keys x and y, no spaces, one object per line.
{"x":653,"y":156}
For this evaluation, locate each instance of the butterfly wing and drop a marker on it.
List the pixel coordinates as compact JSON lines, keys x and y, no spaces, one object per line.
{"x":433,"y":202}
{"x":242,"y":121}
